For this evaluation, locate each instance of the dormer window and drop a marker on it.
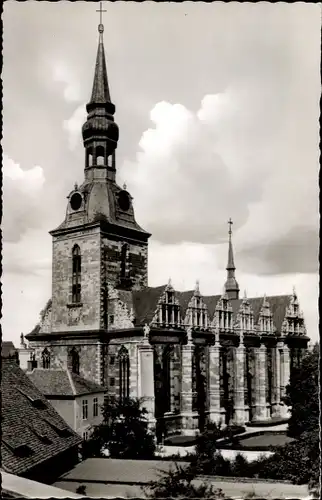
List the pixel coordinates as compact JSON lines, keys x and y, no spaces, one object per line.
{"x":76,"y":285}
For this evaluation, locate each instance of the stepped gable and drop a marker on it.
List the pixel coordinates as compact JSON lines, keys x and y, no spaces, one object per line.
{"x":145,"y":303}
{"x":55,"y":382}
{"x":32,"y":431}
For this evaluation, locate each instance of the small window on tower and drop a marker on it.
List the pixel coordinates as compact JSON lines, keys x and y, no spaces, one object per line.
{"x":76,"y":286}
{"x":100,"y":153}
{"x":111,"y":319}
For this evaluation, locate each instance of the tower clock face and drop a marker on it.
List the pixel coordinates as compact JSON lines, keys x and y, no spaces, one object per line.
{"x":124,"y":200}
{"x":76,"y":201}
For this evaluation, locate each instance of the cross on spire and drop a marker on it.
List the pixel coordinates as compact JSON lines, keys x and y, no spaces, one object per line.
{"x":101,"y":10}
{"x":230,"y":223}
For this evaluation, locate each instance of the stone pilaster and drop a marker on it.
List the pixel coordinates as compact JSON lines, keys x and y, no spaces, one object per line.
{"x":260,"y":384}
{"x":146,"y":379}
{"x":214,"y":383}
{"x":99,"y":364}
{"x":239,"y":384}
{"x":276,"y":389}
{"x":285,"y":376}
{"x":189,"y":418}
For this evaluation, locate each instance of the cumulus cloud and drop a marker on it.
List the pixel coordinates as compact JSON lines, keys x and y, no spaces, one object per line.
{"x":23,"y":203}
{"x":73,"y":127}
{"x":62,"y":73}
{"x":195,"y":170}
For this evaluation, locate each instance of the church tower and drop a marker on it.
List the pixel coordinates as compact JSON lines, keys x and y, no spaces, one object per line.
{"x":99,"y":242}
{"x":231,"y":285}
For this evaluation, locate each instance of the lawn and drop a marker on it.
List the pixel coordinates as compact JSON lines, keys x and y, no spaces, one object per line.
{"x":265,"y":440}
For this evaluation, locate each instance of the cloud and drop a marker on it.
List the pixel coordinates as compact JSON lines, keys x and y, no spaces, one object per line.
{"x":63,"y":73}
{"x":195,"y":170}
{"x":73,"y":126}
{"x":23,"y":203}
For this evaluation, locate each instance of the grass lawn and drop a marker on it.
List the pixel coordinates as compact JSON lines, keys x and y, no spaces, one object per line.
{"x":265,"y":440}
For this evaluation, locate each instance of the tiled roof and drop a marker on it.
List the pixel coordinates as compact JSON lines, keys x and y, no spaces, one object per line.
{"x":145,"y":303}
{"x":278,"y":305}
{"x":32,"y":431}
{"x":53,"y":382}
{"x":7,"y":349}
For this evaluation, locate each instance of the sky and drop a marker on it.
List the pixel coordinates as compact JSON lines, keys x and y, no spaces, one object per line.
{"x":218,"y":110}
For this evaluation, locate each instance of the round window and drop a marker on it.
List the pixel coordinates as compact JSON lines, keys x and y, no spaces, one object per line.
{"x":76,"y":201}
{"x":124,"y":201}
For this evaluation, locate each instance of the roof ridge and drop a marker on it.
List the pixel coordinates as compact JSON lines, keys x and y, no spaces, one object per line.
{"x":71,"y":381}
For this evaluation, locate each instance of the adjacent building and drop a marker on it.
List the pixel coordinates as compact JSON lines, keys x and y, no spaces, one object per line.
{"x":36,"y":443}
{"x":192,"y":357}
{"x":77,"y":400}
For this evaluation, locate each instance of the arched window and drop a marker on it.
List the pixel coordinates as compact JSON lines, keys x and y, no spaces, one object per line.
{"x":46,"y":358}
{"x":100,"y":155}
{"x":74,"y":360}
{"x":166,"y":382}
{"x":124,"y":373}
{"x":76,"y":286}
{"x":89,"y":157}
{"x":123,"y":260}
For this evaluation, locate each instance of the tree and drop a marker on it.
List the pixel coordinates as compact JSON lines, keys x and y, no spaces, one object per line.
{"x":178,"y":483}
{"x":124,"y":430}
{"x":302,"y":394}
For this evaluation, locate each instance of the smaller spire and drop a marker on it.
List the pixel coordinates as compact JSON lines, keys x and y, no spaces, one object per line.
{"x":245,"y":294}
{"x":197,"y":290}
{"x":124,"y":186}
{"x":231,"y":285}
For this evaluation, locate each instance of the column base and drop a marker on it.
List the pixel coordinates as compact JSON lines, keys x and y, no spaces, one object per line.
{"x":189,"y":424}
{"x":239,"y":416}
{"x":261,"y":413}
{"x":284,"y":411}
{"x":216,"y":416}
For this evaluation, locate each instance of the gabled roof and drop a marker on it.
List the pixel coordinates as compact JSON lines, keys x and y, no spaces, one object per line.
{"x":32,"y":430}
{"x":278,"y":305}
{"x":145,"y":303}
{"x":7,"y":349}
{"x":52,"y":382}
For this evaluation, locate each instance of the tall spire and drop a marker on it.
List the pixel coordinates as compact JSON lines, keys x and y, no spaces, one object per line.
{"x":101,"y":91}
{"x":231,"y":285}
{"x":100,"y":132}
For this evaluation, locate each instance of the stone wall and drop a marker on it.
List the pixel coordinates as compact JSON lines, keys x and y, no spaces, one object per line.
{"x":86,"y":315}
{"x":136,"y":262}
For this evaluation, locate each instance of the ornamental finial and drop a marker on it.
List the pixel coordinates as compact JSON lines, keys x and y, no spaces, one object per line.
{"x":230,"y":223}
{"x":101,"y":26}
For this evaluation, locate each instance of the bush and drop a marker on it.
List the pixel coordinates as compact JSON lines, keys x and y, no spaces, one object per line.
{"x":177,"y":483}
{"x":124,"y":431}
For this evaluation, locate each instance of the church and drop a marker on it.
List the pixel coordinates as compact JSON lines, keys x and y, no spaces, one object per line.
{"x":192,"y":358}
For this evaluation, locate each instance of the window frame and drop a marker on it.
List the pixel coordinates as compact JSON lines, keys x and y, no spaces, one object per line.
{"x":84,"y":409}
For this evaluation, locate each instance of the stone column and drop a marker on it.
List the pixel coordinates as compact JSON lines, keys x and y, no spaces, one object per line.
{"x":260,"y":384}
{"x":214,"y":382}
{"x":276,"y":389}
{"x":285,"y":376}
{"x":146,"y":362}
{"x":239,"y":384}
{"x":189,"y":418}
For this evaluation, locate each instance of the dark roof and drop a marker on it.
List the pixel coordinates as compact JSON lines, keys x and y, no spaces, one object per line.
{"x":7,"y":349}
{"x":145,"y":303}
{"x":53,"y":382}
{"x":32,"y":431}
{"x":278,"y":305}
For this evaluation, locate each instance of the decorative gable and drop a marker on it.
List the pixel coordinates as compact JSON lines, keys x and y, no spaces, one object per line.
{"x":120,"y":316}
{"x":293,"y":323}
{"x":265,"y":324}
{"x":245,"y":317}
{"x":167,"y":314}
{"x":223,"y":317}
{"x":197,"y":313}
